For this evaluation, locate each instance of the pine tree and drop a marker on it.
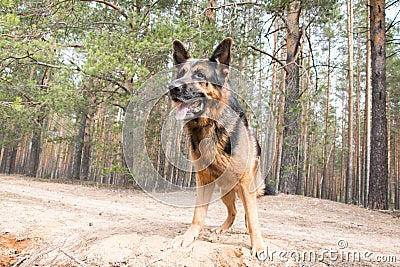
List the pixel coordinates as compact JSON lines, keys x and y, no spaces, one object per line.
{"x":378,"y":182}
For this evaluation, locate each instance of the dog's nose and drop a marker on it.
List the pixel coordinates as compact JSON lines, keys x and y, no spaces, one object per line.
{"x":176,"y":88}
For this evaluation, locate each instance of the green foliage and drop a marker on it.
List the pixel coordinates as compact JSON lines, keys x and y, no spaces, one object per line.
{"x":59,"y":59}
{"x":11,"y":19}
{"x":6,"y":4}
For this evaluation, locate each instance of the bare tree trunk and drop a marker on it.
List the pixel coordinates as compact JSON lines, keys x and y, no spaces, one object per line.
{"x":13,"y":156}
{"x":389,"y":154}
{"x":76,"y":169}
{"x":289,"y":171}
{"x":87,"y":151}
{"x":36,"y":146}
{"x":275,"y":105}
{"x":357,"y":191}
{"x":367,"y":113}
{"x":303,"y":154}
{"x":34,"y":153}
{"x":335,"y":191}
{"x":210,"y":13}
{"x":327,"y":111}
{"x":379,"y":146}
{"x":1,"y":150}
{"x":396,"y":161}
{"x":349,"y":174}
{"x":3,"y":165}
{"x":279,"y":146}
{"x":343,"y":158}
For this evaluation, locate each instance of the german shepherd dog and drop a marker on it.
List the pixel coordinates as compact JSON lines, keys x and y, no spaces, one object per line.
{"x":223,"y":149}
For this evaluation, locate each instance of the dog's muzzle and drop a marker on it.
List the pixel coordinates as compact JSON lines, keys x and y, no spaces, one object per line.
{"x":177,"y":91}
{"x":192,"y":103}
{"x":190,"y":109}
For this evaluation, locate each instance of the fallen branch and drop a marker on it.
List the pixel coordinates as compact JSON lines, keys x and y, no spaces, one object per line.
{"x":73,"y":257}
{"x":45,"y":251}
{"x":41,"y":253}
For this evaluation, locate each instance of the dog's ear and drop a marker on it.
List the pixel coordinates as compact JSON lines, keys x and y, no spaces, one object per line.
{"x":223,"y":52}
{"x":180,"y":53}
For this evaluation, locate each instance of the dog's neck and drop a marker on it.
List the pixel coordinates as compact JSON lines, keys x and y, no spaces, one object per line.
{"x":210,"y":129}
{"x":202,"y":127}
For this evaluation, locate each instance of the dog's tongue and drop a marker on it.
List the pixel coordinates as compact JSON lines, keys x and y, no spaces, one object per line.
{"x":182,"y":110}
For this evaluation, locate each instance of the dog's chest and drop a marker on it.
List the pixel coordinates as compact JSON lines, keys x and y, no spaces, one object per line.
{"x":210,"y":151}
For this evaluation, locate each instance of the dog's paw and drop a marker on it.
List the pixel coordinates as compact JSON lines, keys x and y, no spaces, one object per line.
{"x":219,"y":230}
{"x":183,"y":240}
{"x":259,"y":253}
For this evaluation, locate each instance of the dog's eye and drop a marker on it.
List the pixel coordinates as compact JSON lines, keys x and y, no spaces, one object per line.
{"x":199,"y":75}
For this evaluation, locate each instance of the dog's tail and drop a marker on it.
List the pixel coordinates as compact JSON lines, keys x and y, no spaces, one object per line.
{"x":269,"y":190}
{"x":266,"y":189}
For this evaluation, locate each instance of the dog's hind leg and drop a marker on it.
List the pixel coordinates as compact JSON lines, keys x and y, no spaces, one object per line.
{"x":203,"y":198}
{"x":229,"y":201}
{"x":250,"y":206}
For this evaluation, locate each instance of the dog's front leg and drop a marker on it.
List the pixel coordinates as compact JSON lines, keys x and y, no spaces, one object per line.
{"x":203,"y":198}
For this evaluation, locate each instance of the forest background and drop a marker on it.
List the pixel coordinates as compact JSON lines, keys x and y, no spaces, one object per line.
{"x":69,"y":68}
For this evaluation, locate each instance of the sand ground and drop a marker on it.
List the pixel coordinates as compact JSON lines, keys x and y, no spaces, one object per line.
{"x":54,"y":224}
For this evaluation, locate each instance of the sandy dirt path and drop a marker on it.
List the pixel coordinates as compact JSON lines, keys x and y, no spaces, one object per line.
{"x":51,"y":224}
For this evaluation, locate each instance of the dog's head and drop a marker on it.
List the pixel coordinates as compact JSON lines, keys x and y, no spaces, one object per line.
{"x":200,"y":84}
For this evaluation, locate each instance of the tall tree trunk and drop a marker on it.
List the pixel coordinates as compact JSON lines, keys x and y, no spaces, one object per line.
{"x":327,"y":111}
{"x":349,"y":173}
{"x":13,"y":157}
{"x":34,"y":154}
{"x":210,"y":13}
{"x":343,"y":156}
{"x":289,"y":171}
{"x":334,"y":177}
{"x":303,"y":153}
{"x":279,"y":147}
{"x":1,"y":149}
{"x":357,"y":191}
{"x":87,"y":151}
{"x":3,"y":164}
{"x":367,"y":113}
{"x":389,"y":153}
{"x":36,"y":144}
{"x":396,"y":160}
{"x":378,"y":186}
{"x":275,"y":105}
{"x":76,"y":168}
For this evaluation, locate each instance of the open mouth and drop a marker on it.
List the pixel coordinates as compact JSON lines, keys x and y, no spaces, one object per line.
{"x":189,"y":109}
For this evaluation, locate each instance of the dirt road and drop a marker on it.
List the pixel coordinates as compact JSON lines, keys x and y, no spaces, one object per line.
{"x":49,"y":224}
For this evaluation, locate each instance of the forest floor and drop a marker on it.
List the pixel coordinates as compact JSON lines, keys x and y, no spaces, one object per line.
{"x":53,"y":224}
